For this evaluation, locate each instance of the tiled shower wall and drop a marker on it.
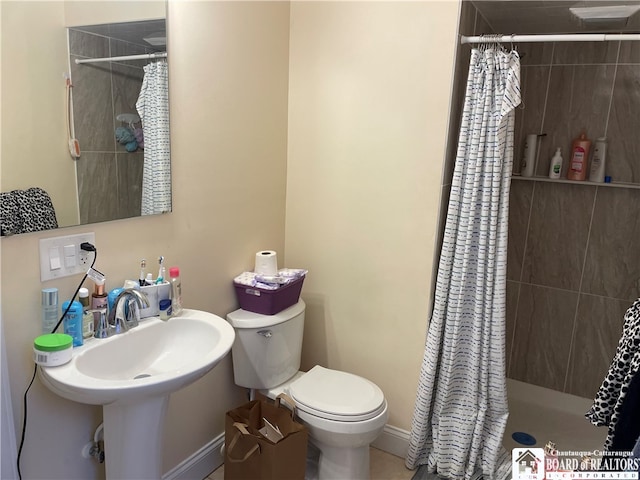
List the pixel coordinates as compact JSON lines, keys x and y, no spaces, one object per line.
{"x":109,"y":177}
{"x":574,"y":249}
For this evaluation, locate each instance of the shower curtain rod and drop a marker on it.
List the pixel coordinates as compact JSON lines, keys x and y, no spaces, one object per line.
{"x":143,"y":56}
{"x":567,"y":37}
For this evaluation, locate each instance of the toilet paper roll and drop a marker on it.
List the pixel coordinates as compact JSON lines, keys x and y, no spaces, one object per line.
{"x":266,"y":262}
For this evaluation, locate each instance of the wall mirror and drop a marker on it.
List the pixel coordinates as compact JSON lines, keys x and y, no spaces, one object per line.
{"x":115,"y":114}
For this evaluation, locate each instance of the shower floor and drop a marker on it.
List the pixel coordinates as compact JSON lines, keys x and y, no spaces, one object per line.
{"x":553,"y":416}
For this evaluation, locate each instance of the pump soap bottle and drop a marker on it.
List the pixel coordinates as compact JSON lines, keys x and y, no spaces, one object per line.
{"x":556,"y":165}
{"x":579,"y":158}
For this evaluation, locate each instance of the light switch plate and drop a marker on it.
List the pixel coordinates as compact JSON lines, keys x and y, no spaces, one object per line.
{"x":71,"y":259}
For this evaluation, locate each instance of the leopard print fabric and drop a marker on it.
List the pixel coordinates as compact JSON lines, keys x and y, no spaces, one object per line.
{"x":624,"y":366}
{"x":24,"y":211}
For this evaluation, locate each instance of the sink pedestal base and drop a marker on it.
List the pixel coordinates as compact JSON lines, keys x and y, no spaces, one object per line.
{"x":133,"y":438}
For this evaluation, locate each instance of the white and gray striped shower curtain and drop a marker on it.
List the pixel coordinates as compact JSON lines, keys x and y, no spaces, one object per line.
{"x":153,"y":108}
{"x":461,"y":407}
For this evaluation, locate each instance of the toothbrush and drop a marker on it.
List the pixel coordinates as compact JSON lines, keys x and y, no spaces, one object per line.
{"x":161,"y":271}
{"x":143,"y":266}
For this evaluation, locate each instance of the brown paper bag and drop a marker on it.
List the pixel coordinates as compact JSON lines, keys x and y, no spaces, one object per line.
{"x":251,"y":456}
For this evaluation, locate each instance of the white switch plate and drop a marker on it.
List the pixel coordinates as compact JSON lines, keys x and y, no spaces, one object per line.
{"x":78,"y":259}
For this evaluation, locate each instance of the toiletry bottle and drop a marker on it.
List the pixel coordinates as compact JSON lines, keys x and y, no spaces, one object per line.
{"x":556,"y":165}
{"x":73,"y":322}
{"x":49,"y":309}
{"x":99,"y":297}
{"x":176,"y":291}
{"x":529,"y":155}
{"x":596,"y":173}
{"x":87,"y":316}
{"x":111,"y":297}
{"x":579,"y":157}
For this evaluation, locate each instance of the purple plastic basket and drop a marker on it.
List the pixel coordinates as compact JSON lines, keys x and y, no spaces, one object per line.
{"x":268,"y":302}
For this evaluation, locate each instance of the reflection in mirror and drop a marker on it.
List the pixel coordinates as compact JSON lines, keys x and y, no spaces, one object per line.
{"x":116,"y":109}
{"x":120,"y":119}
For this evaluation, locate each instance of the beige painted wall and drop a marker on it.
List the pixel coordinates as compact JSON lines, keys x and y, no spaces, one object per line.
{"x":369,"y":90}
{"x":228,"y":87}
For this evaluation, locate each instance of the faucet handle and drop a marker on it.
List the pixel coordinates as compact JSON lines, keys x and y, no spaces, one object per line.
{"x":102,"y":328}
{"x":119,"y":319}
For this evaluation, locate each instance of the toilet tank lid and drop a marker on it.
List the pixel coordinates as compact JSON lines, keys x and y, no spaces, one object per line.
{"x":245,"y":319}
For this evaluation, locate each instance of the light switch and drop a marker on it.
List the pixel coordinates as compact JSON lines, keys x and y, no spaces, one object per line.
{"x":54,"y":258}
{"x":60,"y":256}
{"x":69,"y":256}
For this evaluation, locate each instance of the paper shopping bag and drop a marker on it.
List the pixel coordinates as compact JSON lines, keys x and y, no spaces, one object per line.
{"x":250,"y":455}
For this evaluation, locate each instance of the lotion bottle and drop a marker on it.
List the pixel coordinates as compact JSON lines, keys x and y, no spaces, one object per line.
{"x":556,"y":165}
{"x":87,"y":316}
{"x":596,"y":173}
{"x":579,"y":157}
{"x":176,"y":291}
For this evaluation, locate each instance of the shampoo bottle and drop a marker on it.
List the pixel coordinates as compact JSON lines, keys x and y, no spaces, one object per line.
{"x":579,"y":157}
{"x":73,"y":322}
{"x":556,"y":165}
{"x":596,"y":173}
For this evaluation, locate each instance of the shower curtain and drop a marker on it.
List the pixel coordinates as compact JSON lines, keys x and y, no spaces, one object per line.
{"x":153,"y":108}
{"x":461,"y":407}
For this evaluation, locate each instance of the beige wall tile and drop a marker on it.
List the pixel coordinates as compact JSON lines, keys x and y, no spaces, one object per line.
{"x":612,"y":266}
{"x":598,"y":329}
{"x":542,"y":336}
{"x":557,"y":237}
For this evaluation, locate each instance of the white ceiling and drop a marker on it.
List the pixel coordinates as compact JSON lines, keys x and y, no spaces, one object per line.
{"x":548,"y":16}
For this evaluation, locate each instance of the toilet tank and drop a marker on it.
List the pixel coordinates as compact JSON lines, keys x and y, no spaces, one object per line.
{"x":266,"y":350}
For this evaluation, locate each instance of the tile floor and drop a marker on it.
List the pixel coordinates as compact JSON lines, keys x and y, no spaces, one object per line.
{"x":384,"y":466}
{"x":545,"y":414}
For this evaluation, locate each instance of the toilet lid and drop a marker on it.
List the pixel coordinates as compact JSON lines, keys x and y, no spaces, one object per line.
{"x":337,"y":395}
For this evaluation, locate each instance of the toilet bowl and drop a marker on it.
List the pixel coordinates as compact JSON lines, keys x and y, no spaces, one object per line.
{"x":343,"y":412}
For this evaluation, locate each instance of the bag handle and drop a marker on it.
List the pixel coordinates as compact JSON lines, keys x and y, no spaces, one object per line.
{"x":242,"y":430}
{"x":290,"y":404}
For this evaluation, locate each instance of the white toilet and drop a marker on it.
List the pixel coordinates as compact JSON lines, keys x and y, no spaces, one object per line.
{"x":343,"y":412}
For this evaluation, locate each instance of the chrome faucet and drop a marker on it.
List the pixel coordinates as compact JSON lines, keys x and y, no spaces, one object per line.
{"x":101,"y":325}
{"x":136,"y":300}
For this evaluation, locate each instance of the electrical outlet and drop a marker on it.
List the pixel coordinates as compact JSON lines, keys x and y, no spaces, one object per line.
{"x":84,"y":259}
{"x":62,"y":256}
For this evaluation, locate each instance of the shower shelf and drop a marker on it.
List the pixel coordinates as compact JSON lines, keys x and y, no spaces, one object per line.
{"x":635,"y":186}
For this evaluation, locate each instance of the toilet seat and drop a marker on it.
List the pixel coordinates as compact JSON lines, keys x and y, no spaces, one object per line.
{"x":336,"y":395}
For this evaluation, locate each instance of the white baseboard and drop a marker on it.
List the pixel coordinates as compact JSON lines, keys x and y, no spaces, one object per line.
{"x":200,"y":464}
{"x":393,"y":440}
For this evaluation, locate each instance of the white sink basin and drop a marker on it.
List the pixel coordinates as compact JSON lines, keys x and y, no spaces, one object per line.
{"x":132,"y":375}
{"x":155,"y":358}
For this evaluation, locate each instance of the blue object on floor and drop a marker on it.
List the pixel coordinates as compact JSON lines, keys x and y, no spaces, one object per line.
{"x":524,"y":438}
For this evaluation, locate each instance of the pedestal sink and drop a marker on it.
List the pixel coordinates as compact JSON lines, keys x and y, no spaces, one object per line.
{"x":132,"y":375}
